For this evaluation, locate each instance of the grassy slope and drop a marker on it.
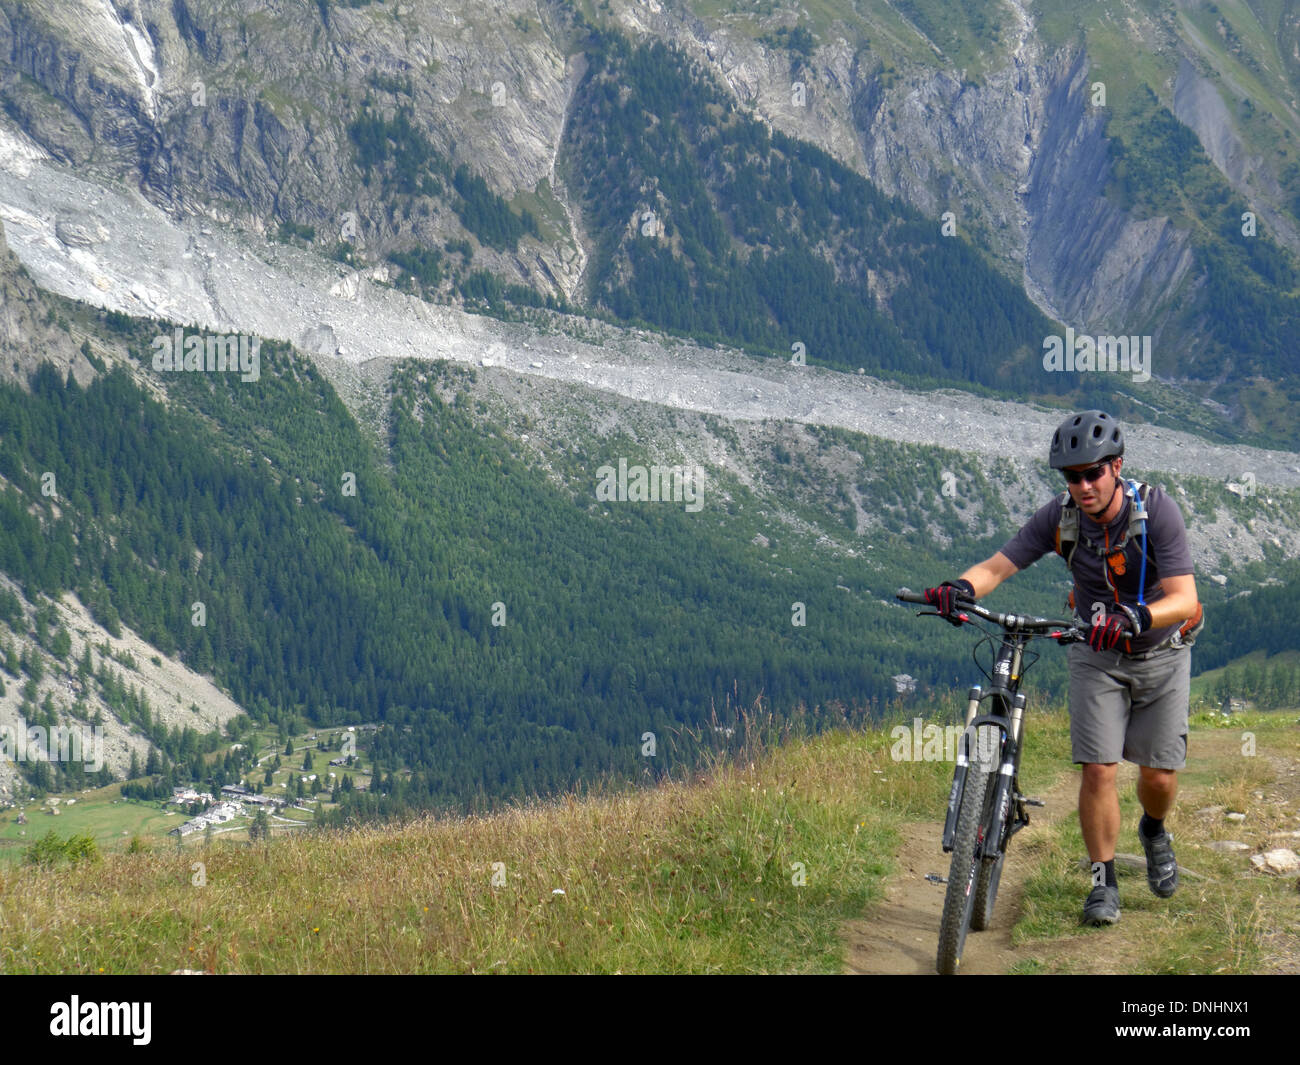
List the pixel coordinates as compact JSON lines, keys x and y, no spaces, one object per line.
{"x":685,"y":877}
{"x":681,"y":878}
{"x":967,"y":33}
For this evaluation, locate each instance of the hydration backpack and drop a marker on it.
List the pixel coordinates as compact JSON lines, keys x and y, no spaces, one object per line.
{"x":1068,"y":540}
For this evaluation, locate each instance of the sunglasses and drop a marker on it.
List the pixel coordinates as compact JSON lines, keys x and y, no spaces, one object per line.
{"x":1091,"y":476}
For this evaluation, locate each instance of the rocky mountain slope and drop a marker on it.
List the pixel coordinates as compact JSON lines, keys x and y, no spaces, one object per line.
{"x":84,"y":704}
{"x":1017,"y":124}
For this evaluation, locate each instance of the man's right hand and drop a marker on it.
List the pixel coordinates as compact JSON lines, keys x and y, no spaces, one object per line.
{"x":944,"y":598}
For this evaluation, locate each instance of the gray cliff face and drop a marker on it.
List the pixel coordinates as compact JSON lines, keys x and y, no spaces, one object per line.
{"x":1102,"y":269}
{"x":26,"y":337}
{"x":945,"y":145}
{"x":241,"y":113}
{"x":1198,"y":104}
{"x":85,"y":97}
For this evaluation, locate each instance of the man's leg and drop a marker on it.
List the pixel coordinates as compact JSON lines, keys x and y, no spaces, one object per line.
{"x":1157,"y":742}
{"x":1099,"y":810}
{"x":1099,"y":710}
{"x":1099,"y":819}
{"x":1156,"y":789}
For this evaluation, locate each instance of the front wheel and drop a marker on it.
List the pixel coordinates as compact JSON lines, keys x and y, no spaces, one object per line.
{"x":986,"y":893}
{"x":967,"y":860}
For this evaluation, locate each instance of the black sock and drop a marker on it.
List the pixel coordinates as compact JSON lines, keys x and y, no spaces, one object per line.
{"x":1150,"y":827}
{"x":1104,"y":869}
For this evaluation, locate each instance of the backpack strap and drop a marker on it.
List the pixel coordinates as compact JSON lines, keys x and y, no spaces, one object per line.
{"x":1067,"y":529}
{"x":1137,"y":519}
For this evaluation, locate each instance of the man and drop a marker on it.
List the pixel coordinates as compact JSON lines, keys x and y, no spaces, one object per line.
{"x":1129,"y":684}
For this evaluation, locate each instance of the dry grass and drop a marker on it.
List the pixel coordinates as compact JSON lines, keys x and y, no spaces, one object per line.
{"x":696,"y":876}
{"x":686,"y":877}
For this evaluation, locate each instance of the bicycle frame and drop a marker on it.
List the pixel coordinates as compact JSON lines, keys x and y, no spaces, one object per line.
{"x":1006,"y":713}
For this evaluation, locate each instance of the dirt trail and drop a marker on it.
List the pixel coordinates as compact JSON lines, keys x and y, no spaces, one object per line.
{"x":901,"y":934}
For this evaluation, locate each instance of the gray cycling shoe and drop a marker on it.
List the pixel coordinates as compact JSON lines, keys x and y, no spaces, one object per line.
{"x":1102,"y":906}
{"x":1162,"y":866}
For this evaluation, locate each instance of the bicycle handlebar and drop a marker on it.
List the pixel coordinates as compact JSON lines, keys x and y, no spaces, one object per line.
{"x":1061,"y":631}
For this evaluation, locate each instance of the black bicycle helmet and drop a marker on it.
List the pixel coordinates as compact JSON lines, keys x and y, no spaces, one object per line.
{"x":1086,"y":439}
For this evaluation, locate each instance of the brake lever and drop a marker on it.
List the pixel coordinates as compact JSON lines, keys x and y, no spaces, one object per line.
{"x":952,"y":619}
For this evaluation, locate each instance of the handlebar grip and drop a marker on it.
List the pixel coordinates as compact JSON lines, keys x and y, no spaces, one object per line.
{"x":906,"y":595}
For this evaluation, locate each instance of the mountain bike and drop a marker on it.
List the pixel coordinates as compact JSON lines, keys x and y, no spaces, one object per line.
{"x":985,"y":806}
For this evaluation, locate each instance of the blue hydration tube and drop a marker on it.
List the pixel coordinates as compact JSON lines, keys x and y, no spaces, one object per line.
{"x":1142,"y":518}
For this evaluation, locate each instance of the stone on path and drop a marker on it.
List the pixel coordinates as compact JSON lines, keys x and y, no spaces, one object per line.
{"x":1281,"y":860}
{"x":1228,"y":846}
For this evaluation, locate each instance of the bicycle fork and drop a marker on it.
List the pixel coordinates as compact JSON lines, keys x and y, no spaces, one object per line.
{"x":1007,"y":814}
{"x":959,"y":774}
{"x":1000,"y":831}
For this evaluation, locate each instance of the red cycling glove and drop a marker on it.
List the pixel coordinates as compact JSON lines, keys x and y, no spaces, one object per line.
{"x":1106,"y":634}
{"x":944,"y":598}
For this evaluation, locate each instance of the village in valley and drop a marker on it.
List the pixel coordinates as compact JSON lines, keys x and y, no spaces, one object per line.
{"x":264,"y":784}
{"x":245,"y":806}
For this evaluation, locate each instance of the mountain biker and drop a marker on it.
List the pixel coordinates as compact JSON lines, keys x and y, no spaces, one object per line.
{"x":1128,"y":694}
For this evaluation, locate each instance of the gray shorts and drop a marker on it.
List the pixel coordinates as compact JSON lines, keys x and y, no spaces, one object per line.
{"x":1133,"y":709}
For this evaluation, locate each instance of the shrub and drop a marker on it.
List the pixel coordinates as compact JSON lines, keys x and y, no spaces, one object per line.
{"x":51,"y":849}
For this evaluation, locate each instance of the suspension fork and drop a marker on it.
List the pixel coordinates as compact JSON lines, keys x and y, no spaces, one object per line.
{"x":959,"y":773}
{"x":1005,"y":694}
{"x":1005,"y":790}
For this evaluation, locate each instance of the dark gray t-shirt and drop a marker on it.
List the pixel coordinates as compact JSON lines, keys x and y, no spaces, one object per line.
{"x":1094,"y":580}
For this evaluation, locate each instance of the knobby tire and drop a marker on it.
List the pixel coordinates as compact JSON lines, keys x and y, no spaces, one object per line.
{"x":959,"y":900}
